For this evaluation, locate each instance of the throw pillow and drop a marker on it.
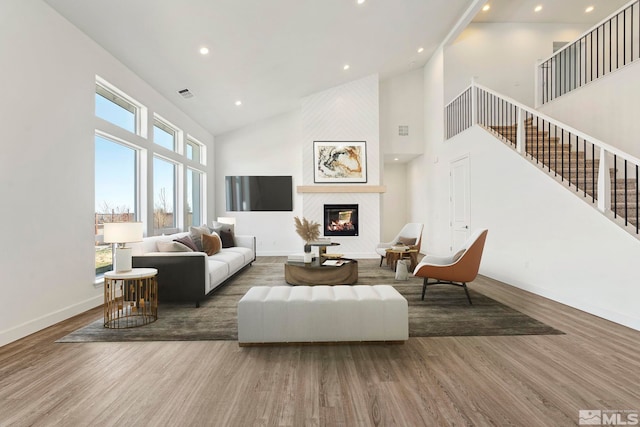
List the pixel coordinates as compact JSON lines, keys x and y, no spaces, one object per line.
{"x":211,"y":243}
{"x":407,"y":241}
{"x":186,"y":240}
{"x":196,"y":235}
{"x":457,"y":255}
{"x":228,"y":241}
{"x":173,"y":247}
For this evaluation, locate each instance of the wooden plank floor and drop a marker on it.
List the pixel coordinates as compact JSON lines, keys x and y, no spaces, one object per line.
{"x":473,"y":381}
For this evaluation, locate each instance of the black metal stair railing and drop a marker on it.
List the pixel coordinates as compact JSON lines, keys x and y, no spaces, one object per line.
{"x":458,"y":114}
{"x":610,"y":45}
{"x":600,"y":173}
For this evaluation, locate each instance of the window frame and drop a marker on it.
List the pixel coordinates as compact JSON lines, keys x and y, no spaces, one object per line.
{"x":124,"y":101}
{"x":168,"y":127}
{"x":191,"y":141}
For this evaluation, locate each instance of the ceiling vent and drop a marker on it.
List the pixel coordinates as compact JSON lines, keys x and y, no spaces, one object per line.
{"x":185,"y":93}
{"x":403,"y":130}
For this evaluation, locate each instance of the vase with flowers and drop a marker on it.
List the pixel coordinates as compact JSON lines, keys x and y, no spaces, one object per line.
{"x":308,"y":231}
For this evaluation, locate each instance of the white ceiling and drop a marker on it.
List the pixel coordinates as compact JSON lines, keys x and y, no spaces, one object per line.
{"x":270,"y":54}
{"x":553,"y":11}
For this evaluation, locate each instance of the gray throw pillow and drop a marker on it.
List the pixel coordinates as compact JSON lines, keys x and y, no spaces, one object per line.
{"x":196,"y":235}
{"x":186,"y":240}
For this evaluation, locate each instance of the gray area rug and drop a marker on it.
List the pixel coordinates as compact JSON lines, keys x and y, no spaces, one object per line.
{"x":444,"y":312}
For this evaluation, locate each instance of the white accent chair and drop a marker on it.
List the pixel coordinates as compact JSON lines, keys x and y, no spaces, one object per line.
{"x":411,"y":231}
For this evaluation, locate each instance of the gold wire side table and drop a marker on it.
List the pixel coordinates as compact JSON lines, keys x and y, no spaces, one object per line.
{"x":130,"y":298}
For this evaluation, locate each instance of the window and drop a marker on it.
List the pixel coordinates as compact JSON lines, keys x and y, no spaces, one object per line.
{"x":115,"y":108}
{"x":115,"y":192}
{"x":164,"y":134}
{"x":194,"y":151}
{"x":194,"y":207}
{"x":164,"y":199}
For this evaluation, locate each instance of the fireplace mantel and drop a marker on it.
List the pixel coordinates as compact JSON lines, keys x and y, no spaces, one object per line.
{"x":341,"y":189}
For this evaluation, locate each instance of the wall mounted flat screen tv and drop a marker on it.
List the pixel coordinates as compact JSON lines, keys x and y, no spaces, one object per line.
{"x":259,"y":193}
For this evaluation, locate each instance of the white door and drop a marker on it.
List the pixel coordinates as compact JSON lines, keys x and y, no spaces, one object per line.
{"x":459,"y":199}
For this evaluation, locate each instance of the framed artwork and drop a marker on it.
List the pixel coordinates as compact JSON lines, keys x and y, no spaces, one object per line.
{"x":339,"y":161}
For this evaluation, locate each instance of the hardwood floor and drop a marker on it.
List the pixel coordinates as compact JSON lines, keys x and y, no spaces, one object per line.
{"x":474,"y":381}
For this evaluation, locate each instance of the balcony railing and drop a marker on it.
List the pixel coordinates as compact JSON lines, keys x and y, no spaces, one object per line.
{"x":610,"y":45}
{"x":603,"y":175}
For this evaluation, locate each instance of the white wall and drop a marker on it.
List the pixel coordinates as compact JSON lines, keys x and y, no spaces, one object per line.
{"x":502,"y":57}
{"x":270,"y":147}
{"x":541,"y":237}
{"x":427,"y":189}
{"x":395,"y":200}
{"x":348,"y":112}
{"x":47,"y":165}
{"x":402,"y":103}
{"x":608,"y":109}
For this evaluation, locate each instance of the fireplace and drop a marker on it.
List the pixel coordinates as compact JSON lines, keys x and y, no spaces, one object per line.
{"x":340,"y":220}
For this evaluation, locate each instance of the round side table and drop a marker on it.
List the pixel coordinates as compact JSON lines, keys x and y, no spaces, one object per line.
{"x":130,"y":298}
{"x":393,"y":256}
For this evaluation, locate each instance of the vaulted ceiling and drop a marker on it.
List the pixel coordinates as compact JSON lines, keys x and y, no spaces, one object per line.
{"x":270,"y":54}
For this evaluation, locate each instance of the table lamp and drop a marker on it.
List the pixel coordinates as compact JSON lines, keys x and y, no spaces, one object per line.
{"x":122,"y":233}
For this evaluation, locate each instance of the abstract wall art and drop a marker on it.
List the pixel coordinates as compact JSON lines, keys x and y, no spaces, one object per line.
{"x":340,"y":161}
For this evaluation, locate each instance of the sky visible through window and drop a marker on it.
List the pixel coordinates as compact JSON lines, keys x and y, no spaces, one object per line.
{"x":115,"y":166}
{"x":115,"y":177}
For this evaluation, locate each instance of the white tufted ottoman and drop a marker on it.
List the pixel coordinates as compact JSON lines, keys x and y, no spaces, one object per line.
{"x":295,"y":314}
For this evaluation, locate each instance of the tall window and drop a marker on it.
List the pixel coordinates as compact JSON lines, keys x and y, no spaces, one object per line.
{"x":194,"y":208}
{"x":165,"y":135}
{"x":114,"y":108}
{"x":115,"y":192}
{"x":164,"y":196}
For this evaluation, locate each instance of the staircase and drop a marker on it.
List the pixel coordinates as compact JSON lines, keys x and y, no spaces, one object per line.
{"x":574,"y":161}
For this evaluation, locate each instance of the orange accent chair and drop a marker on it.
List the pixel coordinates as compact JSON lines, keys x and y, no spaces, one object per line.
{"x":457,"y":269}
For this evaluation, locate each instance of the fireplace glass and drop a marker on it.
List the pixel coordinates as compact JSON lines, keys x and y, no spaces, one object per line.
{"x":340,"y":220}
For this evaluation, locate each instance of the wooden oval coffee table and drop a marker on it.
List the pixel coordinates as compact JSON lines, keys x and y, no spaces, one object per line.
{"x":314,"y":273}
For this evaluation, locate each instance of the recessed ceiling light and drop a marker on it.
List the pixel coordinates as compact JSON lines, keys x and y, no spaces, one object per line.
{"x":396,"y":159}
{"x":204,"y":50}
{"x":538,"y":8}
{"x":589,"y":9}
{"x":420,"y":49}
{"x":346,"y":67}
{"x":486,"y":7}
{"x":361,"y":1}
{"x":238,"y":103}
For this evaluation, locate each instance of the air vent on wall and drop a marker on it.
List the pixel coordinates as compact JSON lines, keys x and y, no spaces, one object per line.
{"x":403,"y":130}
{"x":185,"y":93}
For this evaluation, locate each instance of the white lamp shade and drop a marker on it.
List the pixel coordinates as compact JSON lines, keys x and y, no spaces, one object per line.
{"x":122,"y":232}
{"x":227,"y":220}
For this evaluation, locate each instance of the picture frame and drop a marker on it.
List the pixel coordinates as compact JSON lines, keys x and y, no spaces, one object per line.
{"x":339,"y":161}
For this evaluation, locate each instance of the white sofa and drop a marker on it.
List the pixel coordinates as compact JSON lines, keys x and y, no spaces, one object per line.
{"x":293,"y":314}
{"x":190,"y":276}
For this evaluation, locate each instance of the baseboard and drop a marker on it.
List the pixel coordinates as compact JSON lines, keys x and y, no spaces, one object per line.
{"x":613,"y":316}
{"x":35,"y":325}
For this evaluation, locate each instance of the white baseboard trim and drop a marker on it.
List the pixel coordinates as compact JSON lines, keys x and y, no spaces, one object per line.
{"x":15,"y":333}
{"x":604,"y":313}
